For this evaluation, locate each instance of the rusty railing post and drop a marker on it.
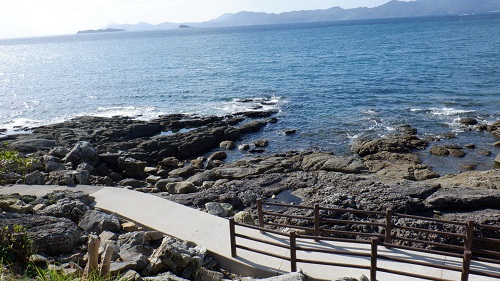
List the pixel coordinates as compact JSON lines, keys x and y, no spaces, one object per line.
{"x":466,"y":265}
{"x":470,"y":235}
{"x":293,"y":251}
{"x":373,"y":259}
{"x":261,"y":213}
{"x":388,"y":226}
{"x":317,"y":221}
{"x":232,"y":234}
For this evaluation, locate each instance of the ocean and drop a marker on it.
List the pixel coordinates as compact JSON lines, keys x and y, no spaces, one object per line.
{"x":333,"y":82}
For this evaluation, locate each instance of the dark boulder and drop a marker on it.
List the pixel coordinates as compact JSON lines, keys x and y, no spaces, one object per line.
{"x":52,"y":236}
{"x":96,"y":221}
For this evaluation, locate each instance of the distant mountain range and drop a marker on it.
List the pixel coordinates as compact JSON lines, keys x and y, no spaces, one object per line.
{"x":391,"y":9}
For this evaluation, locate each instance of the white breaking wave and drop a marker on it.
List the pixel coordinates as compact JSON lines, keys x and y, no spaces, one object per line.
{"x":142,"y":113}
{"x":449,"y":111}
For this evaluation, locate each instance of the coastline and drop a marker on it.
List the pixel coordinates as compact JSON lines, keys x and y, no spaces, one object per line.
{"x":120,"y":148}
{"x":183,"y":159}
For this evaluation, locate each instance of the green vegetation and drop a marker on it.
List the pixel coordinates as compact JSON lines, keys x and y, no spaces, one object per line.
{"x":12,"y":163}
{"x":54,"y":275}
{"x":16,"y":246}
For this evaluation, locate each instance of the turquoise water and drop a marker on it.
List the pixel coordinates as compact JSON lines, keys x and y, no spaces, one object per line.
{"x":333,"y":82}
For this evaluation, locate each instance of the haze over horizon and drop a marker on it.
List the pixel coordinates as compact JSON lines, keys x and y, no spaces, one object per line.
{"x":26,"y":18}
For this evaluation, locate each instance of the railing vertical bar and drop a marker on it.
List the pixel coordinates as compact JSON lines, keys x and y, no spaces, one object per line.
{"x":232,"y":234}
{"x":388,"y":226}
{"x":261,"y":213}
{"x":469,"y":235}
{"x":317,"y":221}
{"x":373,"y":259}
{"x":466,"y":265}
{"x":293,"y":251}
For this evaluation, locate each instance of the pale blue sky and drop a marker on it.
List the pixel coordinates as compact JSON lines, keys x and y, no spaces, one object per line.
{"x":21,"y":18}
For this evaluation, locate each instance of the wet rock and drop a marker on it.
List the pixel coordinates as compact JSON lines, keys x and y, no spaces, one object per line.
{"x":468,"y":166}
{"x":219,"y":155}
{"x":290,"y":132}
{"x":464,"y":199}
{"x":406,"y":129}
{"x":252,"y":127}
{"x":52,"y":236}
{"x":439,"y":151}
{"x":456,"y":152}
{"x":243,"y":147}
{"x":344,"y":165}
{"x":261,"y":143}
{"x":399,"y":144}
{"x":483,"y":152}
{"x":96,"y":221}
{"x":229,"y":145}
{"x":497,"y":159}
{"x":467,"y":121}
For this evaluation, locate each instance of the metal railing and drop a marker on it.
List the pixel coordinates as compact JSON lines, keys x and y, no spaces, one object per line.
{"x":313,"y":229}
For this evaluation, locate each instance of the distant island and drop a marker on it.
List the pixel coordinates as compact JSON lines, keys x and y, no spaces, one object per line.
{"x":391,"y":9}
{"x":100,"y":30}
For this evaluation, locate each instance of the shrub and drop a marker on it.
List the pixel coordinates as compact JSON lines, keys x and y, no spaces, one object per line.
{"x":11,"y":163}
{"x":16,"y":246}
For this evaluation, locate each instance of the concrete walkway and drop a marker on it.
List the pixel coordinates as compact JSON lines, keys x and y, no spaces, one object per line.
{"x":213,"y":233}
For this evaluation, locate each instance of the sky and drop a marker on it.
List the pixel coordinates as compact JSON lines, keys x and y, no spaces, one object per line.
{"x":24,"y":18}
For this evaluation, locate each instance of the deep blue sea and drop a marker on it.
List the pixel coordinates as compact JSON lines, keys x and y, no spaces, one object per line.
{"x":333,"y":82}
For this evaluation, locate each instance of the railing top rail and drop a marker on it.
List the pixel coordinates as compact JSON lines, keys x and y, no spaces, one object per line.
{"x":286,"y":205}
{"x":287,"y":216}
{"x":312,"y":237}
{"x":352,"y":211}
{"x":420,"y":250}
{"x":416,"y":229}
{"x":261,"y":229}
{"x":429,"y":219}
{"x":337,"y":221}
{"x":492,"y":227}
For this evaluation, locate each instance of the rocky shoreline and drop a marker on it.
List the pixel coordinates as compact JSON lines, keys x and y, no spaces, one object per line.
{"x":182,"y":158}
